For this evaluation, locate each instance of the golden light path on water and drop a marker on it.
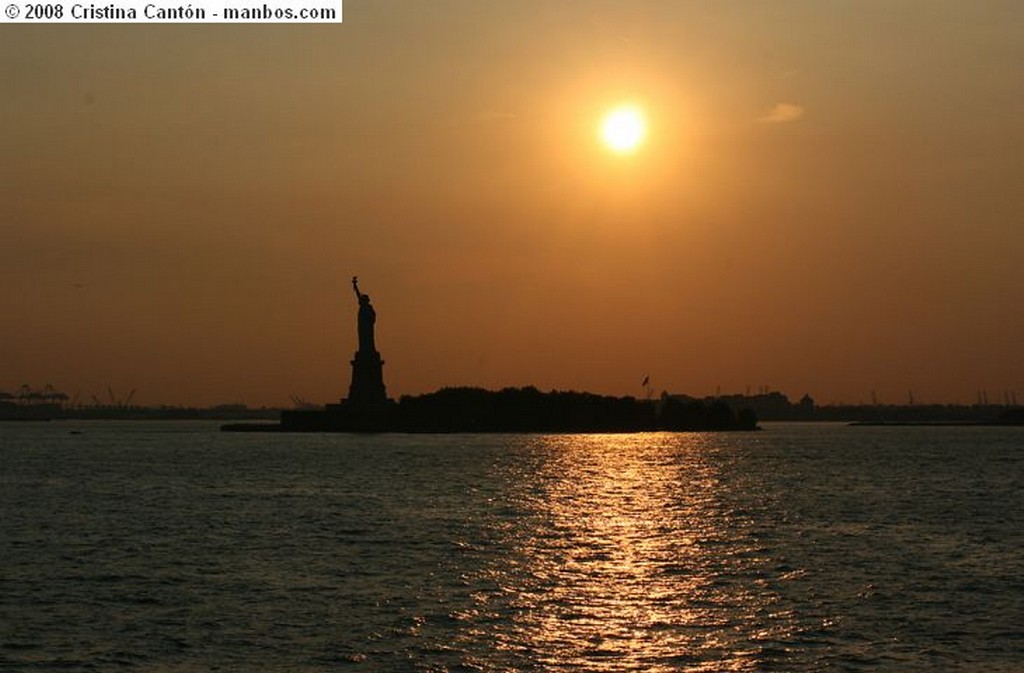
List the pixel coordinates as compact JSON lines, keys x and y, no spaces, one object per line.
{"x":628,"y":555}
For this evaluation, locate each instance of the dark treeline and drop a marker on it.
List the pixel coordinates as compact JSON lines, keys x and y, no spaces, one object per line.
{"x":523,"y":410}
{"x":520,"y":410}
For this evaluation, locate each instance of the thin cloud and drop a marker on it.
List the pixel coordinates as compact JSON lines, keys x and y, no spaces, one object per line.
{"x":782,"y":113}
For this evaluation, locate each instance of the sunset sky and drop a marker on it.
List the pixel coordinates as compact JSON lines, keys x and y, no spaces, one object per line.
{"x":829,"y":199}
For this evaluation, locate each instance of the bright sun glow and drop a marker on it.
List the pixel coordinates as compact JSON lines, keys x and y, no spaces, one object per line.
{"x":623,"y":129}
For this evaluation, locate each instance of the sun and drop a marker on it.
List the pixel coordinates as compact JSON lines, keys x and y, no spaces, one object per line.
{"x":624,"y":129}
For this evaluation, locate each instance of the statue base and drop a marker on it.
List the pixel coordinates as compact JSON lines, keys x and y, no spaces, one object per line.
{"x":367,"y":387}
{"x":367,"y":408}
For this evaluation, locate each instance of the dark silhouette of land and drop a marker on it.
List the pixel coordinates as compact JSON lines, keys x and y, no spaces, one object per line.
{"x":775,"y":406}
{"x":36,"y":405}
{"x":516,"y":410}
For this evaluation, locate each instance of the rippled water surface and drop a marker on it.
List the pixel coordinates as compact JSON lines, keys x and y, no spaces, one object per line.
{"x":172,"y":547}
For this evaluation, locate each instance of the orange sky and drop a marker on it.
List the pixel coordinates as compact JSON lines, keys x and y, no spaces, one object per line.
{"x":829,"y":201}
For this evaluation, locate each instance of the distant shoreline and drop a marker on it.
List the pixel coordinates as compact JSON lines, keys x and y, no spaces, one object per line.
{"x":767,"y":407}
{"x":942,"y":424}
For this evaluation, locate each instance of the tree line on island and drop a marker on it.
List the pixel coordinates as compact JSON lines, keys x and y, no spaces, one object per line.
{"x":469,"y":409}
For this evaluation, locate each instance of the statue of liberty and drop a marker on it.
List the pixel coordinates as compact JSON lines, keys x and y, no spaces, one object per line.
{"x":367,"y":387}
{"x":367,"y":319}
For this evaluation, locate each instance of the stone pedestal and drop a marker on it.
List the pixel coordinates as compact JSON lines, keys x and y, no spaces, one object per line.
{"x":367,"y":387}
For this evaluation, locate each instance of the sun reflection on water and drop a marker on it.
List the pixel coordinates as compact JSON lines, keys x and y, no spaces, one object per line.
{"x":621,"y":554}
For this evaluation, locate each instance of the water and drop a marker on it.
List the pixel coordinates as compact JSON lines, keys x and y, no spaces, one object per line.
{"x":171,"y":547}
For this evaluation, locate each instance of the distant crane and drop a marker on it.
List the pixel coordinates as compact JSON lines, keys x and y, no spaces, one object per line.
{"x":301,"y":402}
{"x":115,"y":401}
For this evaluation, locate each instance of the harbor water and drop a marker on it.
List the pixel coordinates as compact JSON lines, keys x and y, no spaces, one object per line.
{"x":152,"y":546}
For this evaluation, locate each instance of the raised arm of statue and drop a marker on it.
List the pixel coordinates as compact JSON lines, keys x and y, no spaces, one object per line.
{"x":355,"y":286}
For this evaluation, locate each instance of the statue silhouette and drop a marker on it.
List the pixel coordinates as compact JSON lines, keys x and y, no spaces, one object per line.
{"x":367,"y":319}
{"x":367,"y":387}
